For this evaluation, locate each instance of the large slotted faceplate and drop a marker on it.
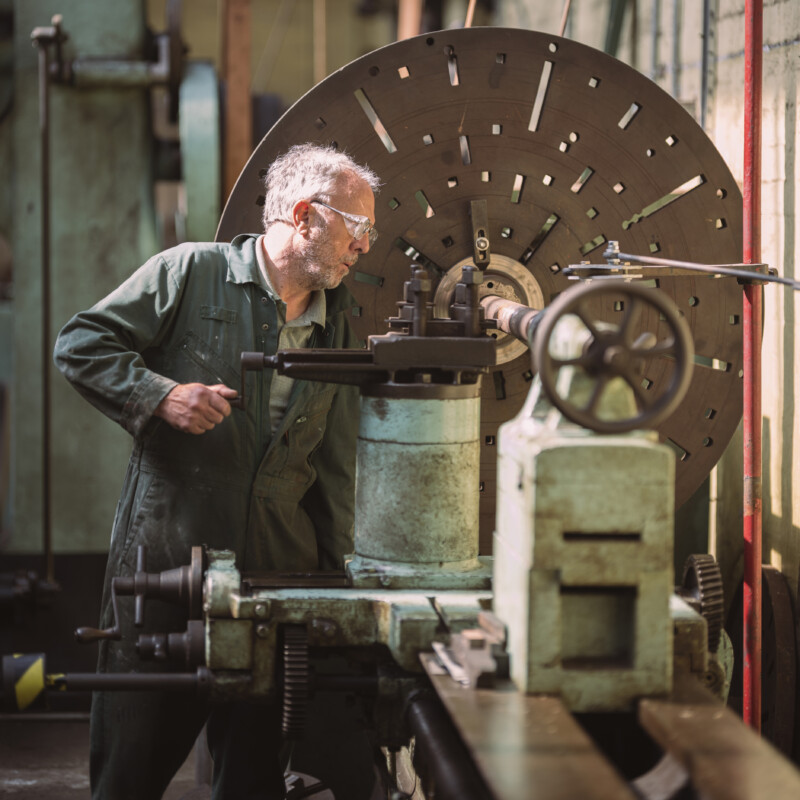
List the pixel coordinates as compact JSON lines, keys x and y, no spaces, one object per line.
{"x":570,"y":148}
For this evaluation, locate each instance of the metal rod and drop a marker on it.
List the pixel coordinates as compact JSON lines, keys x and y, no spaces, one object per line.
{"x":654,"y":33}
{"x":471,"y":13}
{"x":676,"y":48}
{"x":44,"y":200}
{"x":409,"y":19}
{"x":441,"y":752}
{"x":745,"y":275}
{"x":129,"y":681}
{"x":564,"y":17}
{"x":705,"y":66}
{"x":513,"y":318}
{"x":751,"y":332}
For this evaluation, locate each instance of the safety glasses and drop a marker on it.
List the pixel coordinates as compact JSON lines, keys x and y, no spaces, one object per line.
{"x":356,"y":224}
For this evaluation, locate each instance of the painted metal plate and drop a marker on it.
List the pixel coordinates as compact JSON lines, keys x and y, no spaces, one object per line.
{"x":570,"y":148}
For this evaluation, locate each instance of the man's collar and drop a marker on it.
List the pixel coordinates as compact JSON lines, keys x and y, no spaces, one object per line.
{"x":242,"y":261}
{"x":243,"y":268}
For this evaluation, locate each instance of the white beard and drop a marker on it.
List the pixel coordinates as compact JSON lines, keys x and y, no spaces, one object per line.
{"x":319,"y":266}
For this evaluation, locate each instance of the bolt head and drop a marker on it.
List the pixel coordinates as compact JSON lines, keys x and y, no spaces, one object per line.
{"x":471,"y":276}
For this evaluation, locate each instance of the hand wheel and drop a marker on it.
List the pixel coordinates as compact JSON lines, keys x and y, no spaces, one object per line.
{"x":618,"y":351}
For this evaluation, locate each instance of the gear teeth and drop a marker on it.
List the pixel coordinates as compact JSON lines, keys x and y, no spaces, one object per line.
{"x":702,"y":576}
{"x":295,"y":682}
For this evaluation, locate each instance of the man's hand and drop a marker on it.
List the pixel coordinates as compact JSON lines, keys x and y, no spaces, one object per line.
{"x":195,"y":407}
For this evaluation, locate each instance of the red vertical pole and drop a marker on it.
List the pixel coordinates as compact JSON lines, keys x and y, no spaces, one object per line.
{"x":751,"y":333}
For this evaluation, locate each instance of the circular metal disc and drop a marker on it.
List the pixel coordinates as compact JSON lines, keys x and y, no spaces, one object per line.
{"x":570,"y":148}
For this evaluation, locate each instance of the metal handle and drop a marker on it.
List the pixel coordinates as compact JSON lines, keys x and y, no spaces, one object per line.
{"x":252,"y":362}
{"x":182,"y":586}
{"x":87,"y":635}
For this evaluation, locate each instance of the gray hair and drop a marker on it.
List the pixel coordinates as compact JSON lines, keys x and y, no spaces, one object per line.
{"x":308,"y":171}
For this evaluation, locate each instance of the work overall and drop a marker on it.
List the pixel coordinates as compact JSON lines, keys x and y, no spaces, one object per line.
{"x":281,"y":502}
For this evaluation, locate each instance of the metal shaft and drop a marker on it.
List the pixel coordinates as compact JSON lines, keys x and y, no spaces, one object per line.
{"x":752,"y":323}
{"x":131,"y":681}
{"x":443,"y":755}
{"x":42,"y":43}
{"x":513,"y":318}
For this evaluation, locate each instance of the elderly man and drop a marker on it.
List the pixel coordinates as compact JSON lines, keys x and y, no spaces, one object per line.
{"x":273,"y":482}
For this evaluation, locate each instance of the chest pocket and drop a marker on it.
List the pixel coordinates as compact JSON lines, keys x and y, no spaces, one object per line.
{"x":196,"y":361}
{"x":218,"y":313}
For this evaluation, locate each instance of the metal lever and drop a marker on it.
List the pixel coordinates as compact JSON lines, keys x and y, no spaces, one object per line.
{"x":119,"y":586}
{"x":86,"y":635}
{"x":180,"y":586}
{"x":250,"y":362}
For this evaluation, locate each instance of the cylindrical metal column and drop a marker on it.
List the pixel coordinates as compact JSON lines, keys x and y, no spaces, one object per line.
{"x":752,"y":322}
{"x":417,"y":491}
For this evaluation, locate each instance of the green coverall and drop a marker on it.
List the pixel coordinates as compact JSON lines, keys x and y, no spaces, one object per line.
{"x":282,"y":502}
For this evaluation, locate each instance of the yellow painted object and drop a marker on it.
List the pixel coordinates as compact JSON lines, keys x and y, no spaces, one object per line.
{"x":26,"y":673}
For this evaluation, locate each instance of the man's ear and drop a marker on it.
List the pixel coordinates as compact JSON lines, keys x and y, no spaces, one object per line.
{"x":301,"y":217}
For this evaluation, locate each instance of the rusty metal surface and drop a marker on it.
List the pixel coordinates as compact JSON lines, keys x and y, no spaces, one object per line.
{"x":725,"y":759}
{"x":569,"y":148}
{"x":526,"y":745}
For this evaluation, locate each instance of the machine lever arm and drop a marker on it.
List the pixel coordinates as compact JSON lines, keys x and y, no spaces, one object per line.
{"x":182,"y":586}
{"x":86,"y":635}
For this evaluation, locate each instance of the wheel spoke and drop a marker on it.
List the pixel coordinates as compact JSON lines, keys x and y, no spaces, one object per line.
{"x":582,"y":313}
{"x":631,"y":317}
{"x":646,"y":340}
{"x":590,"y":407}
{"x":664,"y":347}
{"x":582,"y":360}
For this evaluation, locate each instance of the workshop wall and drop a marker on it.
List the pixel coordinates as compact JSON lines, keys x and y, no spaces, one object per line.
{"x":102,"y":228}
{"x":282,"y":57}
{"x":103,"y":194}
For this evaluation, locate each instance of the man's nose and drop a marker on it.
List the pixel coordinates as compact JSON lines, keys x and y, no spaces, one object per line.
{"x":360,"y":245}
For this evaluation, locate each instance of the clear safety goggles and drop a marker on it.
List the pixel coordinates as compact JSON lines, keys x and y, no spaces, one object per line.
{"x":357,"y":225}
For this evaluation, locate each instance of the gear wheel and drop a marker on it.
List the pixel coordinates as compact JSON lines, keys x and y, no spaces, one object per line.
{"x":295,"y":682}
{"x":702,"y":589}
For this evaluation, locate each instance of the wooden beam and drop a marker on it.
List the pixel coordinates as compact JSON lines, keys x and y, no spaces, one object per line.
{"x":238,"y":124}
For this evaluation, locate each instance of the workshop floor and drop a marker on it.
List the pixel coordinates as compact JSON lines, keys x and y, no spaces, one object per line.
{"x":50,"y":761}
